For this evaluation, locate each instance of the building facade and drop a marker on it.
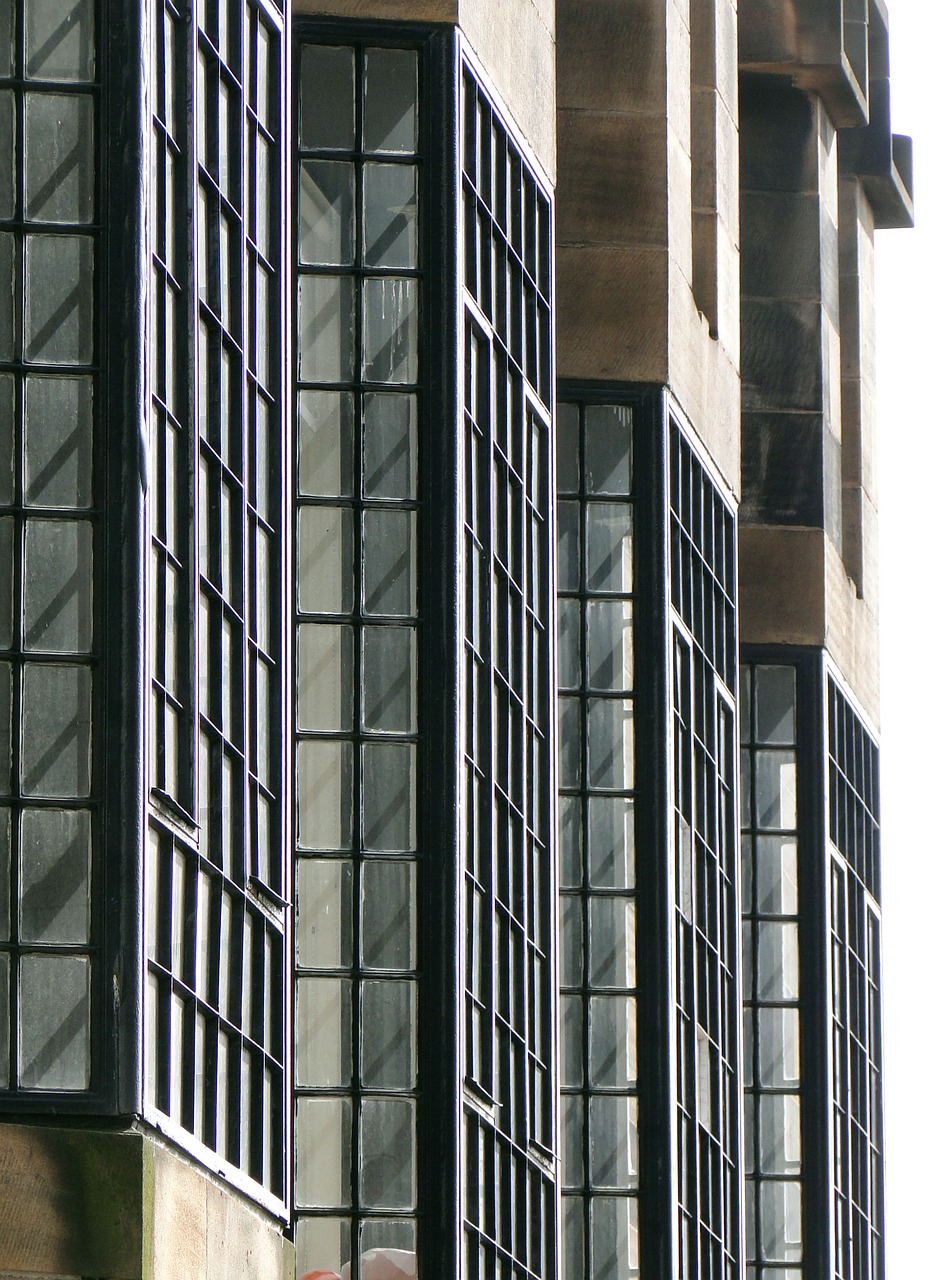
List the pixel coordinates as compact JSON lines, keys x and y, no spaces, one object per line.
{"x":439,"y":537}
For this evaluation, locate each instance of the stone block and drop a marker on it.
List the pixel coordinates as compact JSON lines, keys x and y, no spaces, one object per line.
{"x":70,"y":1202}
{"x":781,"y":250}
{"x":781,"y":585}
{"x":612,"y":185}
{"x":782,"y":358}
{"x":783,"y":469}
{"x":611,"y":55}
{"x":779,"y":137}
{"x":612,"y":313}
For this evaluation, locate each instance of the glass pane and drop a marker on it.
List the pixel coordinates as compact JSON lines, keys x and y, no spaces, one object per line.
{"x":324,"y":913}
{"x":609,"y":744}
{"x":608,"y":454}
{"x":390,"y":96}
{"x":58,"y":586}
{"x":778,"y":961}
{"x":570,"y":828}
{"x":325,"y":443}
{"x":386,"y":1153}
{"x":611,"y":942}
{"x":569,"y":644}
{"x":327,"y":213}
{"x":614,"y":1144}
{"x":573,"y":1235}
{"x":572,"y":1140}
{"x":7,"y":294}
{"x":324,"y":795}
{"x":389,"y":562}
{"x":776,"y":875}
{"x":611,"y":842}
{"x":572,"y":1041}
{"x":569,"y":741}
{"x":327,"y":98}
{"x":323,"y":1146}
{"x":55,"y":876}
{"x":7,"y":35}
{"x":775,"y":700}
{"x":389,"y":436}
{"x":571,"y":936}
{"x":56,"y":731}
{"x":566,"y":448}
{"x":391,"y":327}
{"x":324,"y":560}
{"x":388,"y":915}
{"x":59,"y":299}
{"x":778,"y":1047}
{"x":323,"y":1050}
{"x":5,"y":851}
{"x":569,"y":554}
{"x":779,"y":1221}
{"x":7,"y":139}
{"x":60,"y":39}
{"x":7,"y":459}
{"x":58,"y":442}
{"x":7,"y":567}
{"x":612,"y":1061}
{"x":388,"y":1029}
{"x":387,"y":681}
{"x":54,"y":1022}
{"x":326,"y":329}
{"x":609,"y":644}
{"x":391,"y":1243}
{"x":59,"y":157}
{"x":6,"y":727}
{"x":390,"y":215}
{"x":322,"y":1244}
{"x":388,"y":796}
{"x":614,"y":1238}
{"x":325,"y":676}
{"x":779,"y":1133}
{"x":609,"y":547}
{"x":4,"y":1020}
{"x":776,"y":790}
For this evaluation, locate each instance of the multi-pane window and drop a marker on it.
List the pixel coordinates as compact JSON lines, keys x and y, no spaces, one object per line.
{"x":771,"y":971}
{"x":50,"y":545}
{"x":216,"y":1028}
{"x":598,"y":894}
{"x":358,"y":175}
{"x":706,"y":877}
{"x":506,"y":705}
{"x":856,"y":1008}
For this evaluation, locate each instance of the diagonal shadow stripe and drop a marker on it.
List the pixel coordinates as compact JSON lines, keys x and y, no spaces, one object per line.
{"x":62,"y":455}
{"x":54,"y":182}
{"x":55,"y":606}
{"x":68,"y":736}
{"x":55,"y":321}
{"x":58,"y":1042}
{"x":61,"y":33}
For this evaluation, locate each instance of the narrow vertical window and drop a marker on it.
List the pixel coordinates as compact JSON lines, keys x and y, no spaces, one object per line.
{"x":599,"y":989}
{"x":506,"y":705}
{"x":50,"y":549}
{"x":854,"y":836}
{"x":217,"y":875}
{"x":706,"y":875}
{"x":358,"y":176}
{"x":771,"y":972}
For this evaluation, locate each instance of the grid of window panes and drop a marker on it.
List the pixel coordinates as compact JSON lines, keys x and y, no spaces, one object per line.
{"x":510,"y":1201}
{"x":599,"y":1067}
{"x":217,"y":994}
{"x":856,"y":1001}
{"x":170,"y":499}
{"x":50,"y":541}
{"x":771,"y":989}
{"x":706,"y":870}
{"x":854,"y":816}
{"x":358,"y":177}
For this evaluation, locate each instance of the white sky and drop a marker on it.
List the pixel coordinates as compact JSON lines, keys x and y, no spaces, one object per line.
{"x":902,"y":266}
